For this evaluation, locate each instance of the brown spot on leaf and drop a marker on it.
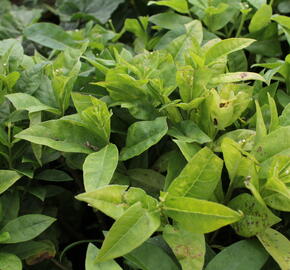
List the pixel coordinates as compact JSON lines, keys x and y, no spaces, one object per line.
{"x":243,"y":75}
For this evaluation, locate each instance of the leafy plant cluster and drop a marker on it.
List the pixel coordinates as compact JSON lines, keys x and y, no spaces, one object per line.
{"x":169,"y":119}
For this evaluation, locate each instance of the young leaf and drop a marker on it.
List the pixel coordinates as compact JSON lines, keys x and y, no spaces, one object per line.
{"x":261,"y":18}
{"x":114,"y":200}
{"x":9,"y":261}
{"x":142,"y":135}
{"x":132,"y":229}
{"x":8,"y":178}
{"x":199,"y":177}
{"x":257,"y":217}
{"x":26,"y":227}
{"x":245,"y":254}
{"x":57,"y":134}
{"x":277,"y":245}
{"x":225,"y":47}
{"x":188,"y":247}
{"x":92,"y":252}
{"x":199,"y":216}
{"x":99,"y":167}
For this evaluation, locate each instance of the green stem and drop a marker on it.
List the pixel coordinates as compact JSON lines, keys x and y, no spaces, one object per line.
{"x":10,"y":146}
{"x":241,"y":25}
{"x":271,"y":2}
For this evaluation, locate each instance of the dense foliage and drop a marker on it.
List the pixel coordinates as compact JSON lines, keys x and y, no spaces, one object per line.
{"x":148,"y":135}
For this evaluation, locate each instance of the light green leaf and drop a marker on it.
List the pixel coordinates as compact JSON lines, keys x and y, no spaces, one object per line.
{"x":99,"y":167}
{"x":7,"y":179}
{"x":257,"y":217}
{"x":57,"y":134}
{"x":199,"y":216}
{"x":26,"y":227}
{"x":114,"y":200}
{"x":225,"y":47}
{"x":132,"y":229}
{"x":261,"y":18}
{"x":282,"y":20}
{"x":199,"y":177}
{"x":92,"y":253}
{"x":95,"y":114}
{"x":276,"y":194}
{"x":277,"y":245}
{"x":142,"y":135}
{"x":245,"y":254}
{"x":237,"y":77}
{"x":178,"y":5}
{"x":9,"y":261}
{"x":188,"y":247}
{"x":49,"y":35}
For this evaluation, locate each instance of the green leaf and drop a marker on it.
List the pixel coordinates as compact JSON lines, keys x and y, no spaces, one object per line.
{"x":57,"y":134}
{"x":261,"y":130}
{"x":178,"y":5}
{"x":53,"y":175}
{"x":8,"y":178}
{"x":132,"y":229}
{"x":274,"y":114}
{"x":32,"y":251}
{"x":199,"y":216}
{"x":188,"y":247}
{"x":169,"y":20}
{"x":188,"y":131}
{"x":22,"y":101}
{"x":142,"y":135}
{"x":225,"y":47}
{"x":9,"y":261}
{"x":245,"y":254}
{"x":199,"y":177}
{"x":26,"y":227}
{"x":49,"y":35}
{"x":237,"y":77}
{"x":277,"y":245}
{"x":257,"y":217}
{"x":150,"y":181}
{"x":100,"y":10}
{"x":151,"y":256}
{"x":261,"y":18}
{"x":275,"y":143}
{"x":92,"y":253}
{"x":114,"y":200}
{"x":99,"y":167}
